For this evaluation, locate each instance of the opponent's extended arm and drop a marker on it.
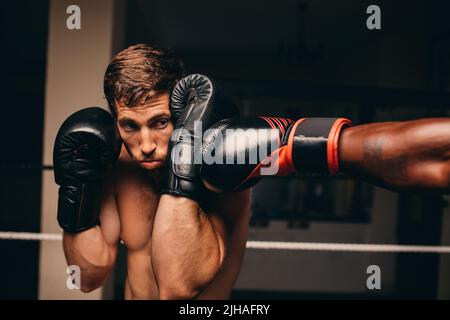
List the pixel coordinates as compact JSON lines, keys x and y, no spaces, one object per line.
{"x":405,"y":155}
{"x":410,"y":155}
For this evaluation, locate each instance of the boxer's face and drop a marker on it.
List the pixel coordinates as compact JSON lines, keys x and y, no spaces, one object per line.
{"x":146,"y":130}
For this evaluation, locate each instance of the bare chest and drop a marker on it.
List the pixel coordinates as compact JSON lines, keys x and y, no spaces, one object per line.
{"x":137,"y":201}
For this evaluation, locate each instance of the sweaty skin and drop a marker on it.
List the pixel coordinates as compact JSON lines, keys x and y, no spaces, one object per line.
{"x":175,"y":249}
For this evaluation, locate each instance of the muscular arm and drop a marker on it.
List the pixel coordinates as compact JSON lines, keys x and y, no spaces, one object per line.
{"x":410,"y":155}
{"x":95,"y":249}
{"x":187,"y":249}
{"x":189,"y":245}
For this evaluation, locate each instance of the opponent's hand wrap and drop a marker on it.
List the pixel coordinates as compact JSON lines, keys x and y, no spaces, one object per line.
{"x":196,"y":103}
{"x":237,"y":152}
{"x":86,"y":146}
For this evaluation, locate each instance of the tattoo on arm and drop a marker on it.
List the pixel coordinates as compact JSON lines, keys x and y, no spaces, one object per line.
{"x":378,"y":161}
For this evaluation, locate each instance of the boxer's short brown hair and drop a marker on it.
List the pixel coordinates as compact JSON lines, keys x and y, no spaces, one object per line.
{"x":138,"y":72}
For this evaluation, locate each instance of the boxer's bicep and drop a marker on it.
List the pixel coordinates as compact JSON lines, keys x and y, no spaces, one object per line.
{"x":232,"y":211}
{"x":109,"y":219}
{"x":235,"y":210}
{"x":95,"y":250}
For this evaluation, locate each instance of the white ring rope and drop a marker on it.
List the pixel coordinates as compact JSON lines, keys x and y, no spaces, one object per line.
{"x":349,"y":247}
{"x":273,"y":245}
{"x":30,"y":236}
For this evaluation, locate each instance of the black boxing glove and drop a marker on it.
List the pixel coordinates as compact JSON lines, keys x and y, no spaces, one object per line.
{"x":238,"y":152}
{"x":196,"y":103}
{"x":86,"y":146}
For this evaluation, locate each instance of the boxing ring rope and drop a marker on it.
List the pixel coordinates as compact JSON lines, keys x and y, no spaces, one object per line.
{"x":6,"y":235}
{"x":273,"y":245}
{"x":347,"y":247}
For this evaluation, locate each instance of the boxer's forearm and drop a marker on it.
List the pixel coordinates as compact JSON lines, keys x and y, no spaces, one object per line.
{"x":187,"y":252}
{"x":399,"y":155}
{"x":92,"y":254}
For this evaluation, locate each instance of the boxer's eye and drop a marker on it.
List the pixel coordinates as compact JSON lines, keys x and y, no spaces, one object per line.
{"x":128,"y":127}
{"x":162,"y":123}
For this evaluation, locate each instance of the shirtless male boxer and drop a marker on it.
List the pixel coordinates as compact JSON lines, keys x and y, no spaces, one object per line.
{"x":183,"y":241}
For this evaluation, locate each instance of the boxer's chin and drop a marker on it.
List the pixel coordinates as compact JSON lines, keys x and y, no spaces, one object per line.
{"x":151,"y":165}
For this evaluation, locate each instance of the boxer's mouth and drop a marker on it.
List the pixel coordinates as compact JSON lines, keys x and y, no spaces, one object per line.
{"x":151,"y":164}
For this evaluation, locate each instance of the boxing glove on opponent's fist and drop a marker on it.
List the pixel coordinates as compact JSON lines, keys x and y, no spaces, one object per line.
{"x":237,"y":152}
{"x":196,"y":103}
{"x":86,"y":146}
